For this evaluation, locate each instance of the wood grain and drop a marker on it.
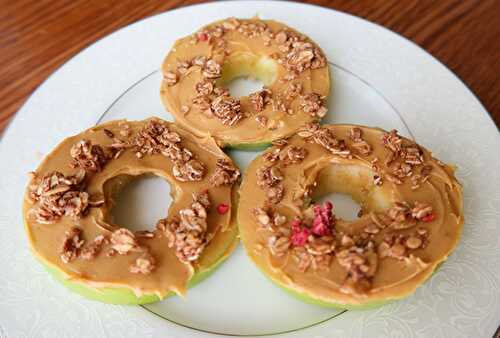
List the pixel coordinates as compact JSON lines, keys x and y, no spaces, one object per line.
{"x":36,"y":37}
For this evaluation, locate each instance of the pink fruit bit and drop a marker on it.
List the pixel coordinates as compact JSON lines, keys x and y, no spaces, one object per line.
{"x":323,"y":219}
{"x":202,"y":36}
{"x":299,"y":233}
{"x":222,"y":208}
{"x":429,"y":218}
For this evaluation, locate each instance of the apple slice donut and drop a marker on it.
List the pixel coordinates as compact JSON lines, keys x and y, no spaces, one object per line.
{"x":67,"y":211}
{"x":410,"y":220}
{"x":292,"y":68}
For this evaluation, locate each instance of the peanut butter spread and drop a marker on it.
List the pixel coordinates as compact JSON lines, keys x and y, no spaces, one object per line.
{"x":410,"y":220}
{"x":292,"y":67}
{"x":67,"y":207}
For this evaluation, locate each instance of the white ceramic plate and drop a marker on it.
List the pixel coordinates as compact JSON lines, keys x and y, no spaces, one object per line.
{"x":380,"y":79}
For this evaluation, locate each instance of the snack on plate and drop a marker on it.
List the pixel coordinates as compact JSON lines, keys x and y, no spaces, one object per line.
{"x":67,"y":211}
{"x":292,"y":68}
{"x":411,"y":215}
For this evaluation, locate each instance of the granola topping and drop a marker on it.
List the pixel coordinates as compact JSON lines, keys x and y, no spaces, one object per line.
{"x":260,"y":99}
{"x":298,"y":54}
{"x":156,"y":138}
{"x":72,"y":244}
{"x":399,"y":235}
{"x":326,"y":138}
{"x":225,"y":173}
{"x":94,"y":248}
{"x":314,"y":105}
{"x":227,"y":109}
{"x":56,"y":195}
{"x":66,"y":229}
{"x":144,"y":264}
{"x":170,"y":78}
{"x":123,"y":241}
{"x":293,"y":68}
{"x":87,"y":156}
{"x":187,"y":233}
{"x":360,"y":145}
{"x":293,"y":155}
{"x":212,"y":70}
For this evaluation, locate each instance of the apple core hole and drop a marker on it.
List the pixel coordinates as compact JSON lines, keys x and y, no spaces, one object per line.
{"x":245,"y":73}
{"x":140,"y":201}
{"x":344,"y":206}
{"x":243,"y":86}
{"x":351,"y":189}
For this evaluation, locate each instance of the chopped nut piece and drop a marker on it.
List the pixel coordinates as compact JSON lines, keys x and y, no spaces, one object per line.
{"x":300,"y":54}
{"x":361,"y":265}
{"x":123,"y":241}
{"x":183,"y":67}
{"x":402,"y":170}
{"x":268,"y":176}
{"x":320,"y":246}
{"x":260,"y":99}
{"x":204,"y":88}
{"x":170,"y":78}
{"x":281,"y":37}
{"x":212,"y":70}
{"x":356,"y":134}
{"x":383,"y":249}
{"x":156,"y":138}
{"x":275,"y":194}
{"x":278,"y":245}
{"x":321,"y":262}
{"x":227,"y":109}
{"x":272,"y":155}
{"x":262,"y":217}
{"x":188,"y":233}
{"x":362,"y":147}
{"x":400,"y":214}
{"x":313,"y":104}
{"x":199,"y":61}
{"x":262,"y":120}
{"x":225,"y":173}
{"x":56,"y":195}
{"x":293,"y":155}
{"x":413,"y":243}
{"x":144,"y":264}
{"x":192,"y":170}
{"x":397,"y":251}
{"x":87,"y":156}
{"x":92,"y":250}
{"x":302,"y":257}
{"x":392,"y":141}
{"x":271,"y":220}
{"x":325,"y":137}
{"x":420,"y":210}
{"x":72,"y":244}
{"x":292,"y":91}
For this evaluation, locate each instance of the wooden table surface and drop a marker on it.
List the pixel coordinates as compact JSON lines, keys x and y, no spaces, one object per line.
{"x":36,"y":37}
